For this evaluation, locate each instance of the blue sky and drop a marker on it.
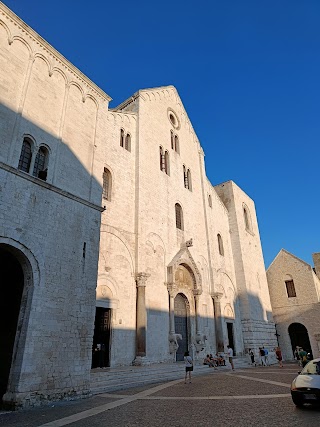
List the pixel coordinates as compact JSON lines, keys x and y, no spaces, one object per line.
{"x":248,"y":73}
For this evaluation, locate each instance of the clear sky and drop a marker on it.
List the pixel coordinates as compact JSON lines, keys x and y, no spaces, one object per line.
{"x":248,"y":73}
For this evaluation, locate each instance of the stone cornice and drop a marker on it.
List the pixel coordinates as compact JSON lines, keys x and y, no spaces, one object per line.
{"x":36,"y":38}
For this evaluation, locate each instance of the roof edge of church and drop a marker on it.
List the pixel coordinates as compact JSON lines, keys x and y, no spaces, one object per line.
{"x":136,"y":95}
{"x":52,"y":50}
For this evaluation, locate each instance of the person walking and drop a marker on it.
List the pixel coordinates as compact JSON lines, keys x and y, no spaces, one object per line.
{"x":251,"y":354}
{"x":189,"y":366}
{"x":279,"y":356}
{"x":230,"y":356}
{"x":303,"y":357}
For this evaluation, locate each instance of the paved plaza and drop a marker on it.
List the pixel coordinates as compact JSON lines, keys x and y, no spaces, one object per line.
{"x":247,"y":397}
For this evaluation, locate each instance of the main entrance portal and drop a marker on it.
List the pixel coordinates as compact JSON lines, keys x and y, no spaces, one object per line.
{"x":12,"y":282}
{"x":101,"y":338}
{"x":181,"y":324}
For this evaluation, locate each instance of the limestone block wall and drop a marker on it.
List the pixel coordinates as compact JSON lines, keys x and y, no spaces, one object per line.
{"x":158,"y":195}
{"x":54,"y":357}
{"x":255,"y":306}
{"x":304,"y":308}
{"x":118,"y":241}
{"x":57,"y":221}
{"x":223,"y":272}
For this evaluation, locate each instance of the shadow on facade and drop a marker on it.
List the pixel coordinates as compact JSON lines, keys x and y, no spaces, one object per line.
{"x":49,"y":245}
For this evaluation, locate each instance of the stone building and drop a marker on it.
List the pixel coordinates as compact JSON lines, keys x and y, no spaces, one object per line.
{"x":114,"y":246}
{"x":294,"y":288}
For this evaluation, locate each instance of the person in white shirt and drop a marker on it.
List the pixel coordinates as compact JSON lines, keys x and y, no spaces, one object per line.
{"x":189,"y":366}
{"x":230,"y":355}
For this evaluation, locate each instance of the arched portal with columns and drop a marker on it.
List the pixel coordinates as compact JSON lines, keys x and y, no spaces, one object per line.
{"x":184,"y":280}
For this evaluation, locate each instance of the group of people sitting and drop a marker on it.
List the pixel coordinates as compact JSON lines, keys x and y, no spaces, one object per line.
{"x":214,"y":361}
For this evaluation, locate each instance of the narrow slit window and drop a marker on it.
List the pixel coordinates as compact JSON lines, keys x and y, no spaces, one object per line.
{"x":172,"y":140}
{"x":179,"y":219}
{"x":189,"y":180}
{"x":220,"y":245}
{"x":161,"y":155}
{"x":210,"y":201}
{"x":128,"y":142}
{"x":121,"y":138}
{"x":176,"y":144}
{"x":166,"y":162}
{"x":106,"y":188}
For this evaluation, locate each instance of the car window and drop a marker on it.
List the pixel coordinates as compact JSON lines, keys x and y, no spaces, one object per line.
{"x":312,"y":368}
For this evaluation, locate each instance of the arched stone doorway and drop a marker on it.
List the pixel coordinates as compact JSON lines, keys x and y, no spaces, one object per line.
{"x":181,"y":324}
{"x":299,"y":336}
{"x":11,"y":288}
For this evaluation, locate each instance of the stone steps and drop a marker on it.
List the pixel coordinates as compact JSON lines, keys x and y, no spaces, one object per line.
{"x":113,"y":379}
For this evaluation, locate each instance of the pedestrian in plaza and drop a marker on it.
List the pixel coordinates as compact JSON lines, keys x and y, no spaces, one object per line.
{"x":303,"y":357}
{"x":189,"y":366}
{"x":251,"y":354}
{"x":279,"y":356}
{"x":230,"y":356}
{"x":261,"y":354}
{"x":266,"y":352}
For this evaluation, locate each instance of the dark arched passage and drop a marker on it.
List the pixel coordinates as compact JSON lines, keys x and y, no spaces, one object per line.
{"x":11,"y":288}
{"x":299,"y":336}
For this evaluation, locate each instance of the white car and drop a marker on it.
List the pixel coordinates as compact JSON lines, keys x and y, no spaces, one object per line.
{"x":305,"y":388}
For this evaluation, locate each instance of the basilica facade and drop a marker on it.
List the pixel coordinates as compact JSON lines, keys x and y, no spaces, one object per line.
{"x":115,"y":247}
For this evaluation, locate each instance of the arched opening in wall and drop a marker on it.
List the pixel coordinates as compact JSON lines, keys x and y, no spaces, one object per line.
{"x":181,"y":324}
{"x":12,"y":285}
{"x":299,"y":337}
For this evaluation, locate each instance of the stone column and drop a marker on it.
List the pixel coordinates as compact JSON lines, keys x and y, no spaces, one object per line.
{"x":141,"y":319}
{"x":172,"y":290}
{"x":197,"y":293}
{"x":218,"y":320}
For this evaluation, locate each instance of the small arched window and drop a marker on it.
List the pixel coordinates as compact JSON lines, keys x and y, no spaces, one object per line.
{"x":166,"y":163}
{"x":107,"y":183}
{"x":25,"y":156}
{"x":189,"y":180}
{"x":41,"y":163}
{"x":121,"y":138}
{"x":179,"y":217}
{"x":128,"y":142}
{"x":176,"y":144}
{"x":210,"y":201}
{"x":220,"y":245}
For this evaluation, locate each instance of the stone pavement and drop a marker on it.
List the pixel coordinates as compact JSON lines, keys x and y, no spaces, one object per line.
{"x":246,"y":397}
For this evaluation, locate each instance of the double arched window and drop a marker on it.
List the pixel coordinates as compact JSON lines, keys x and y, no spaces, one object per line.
{"x":107,"y":183}
{"x":179,"y":216}
{"x":164,"y":160}
{"x":38,"y":163}
{"x":125,"y":140}
{"x":187,"y":178}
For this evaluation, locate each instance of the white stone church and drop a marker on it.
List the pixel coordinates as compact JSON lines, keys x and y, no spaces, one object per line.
{"x":115,"y":249}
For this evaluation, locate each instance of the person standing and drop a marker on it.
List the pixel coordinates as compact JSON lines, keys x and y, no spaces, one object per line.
{"x":230,"y":356}
{"x":279,"y":356}
{"x":266,"y":352}
{"x":251,"y":354}
{"x":261,"y":354}
{"x":189,"y":366}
